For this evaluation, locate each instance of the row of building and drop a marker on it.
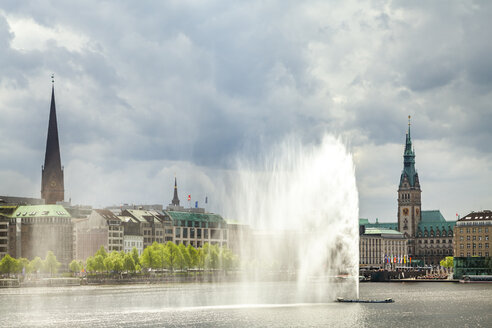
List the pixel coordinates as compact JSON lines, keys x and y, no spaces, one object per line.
{"x":32,"y":230}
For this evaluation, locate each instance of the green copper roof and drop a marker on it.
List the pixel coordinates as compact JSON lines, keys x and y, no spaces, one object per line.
{"x":363,"y":221}
{"x":190,"y":216}
{"x":432,"y":216}
{"x":39,"y":211}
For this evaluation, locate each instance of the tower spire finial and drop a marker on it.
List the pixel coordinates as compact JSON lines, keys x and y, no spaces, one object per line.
{"x":409,"y":120}
{"x":52,"y":79}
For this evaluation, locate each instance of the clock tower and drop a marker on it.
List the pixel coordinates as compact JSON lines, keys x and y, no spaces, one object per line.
{"x":52,"y":187}
{"x":409,"y":194}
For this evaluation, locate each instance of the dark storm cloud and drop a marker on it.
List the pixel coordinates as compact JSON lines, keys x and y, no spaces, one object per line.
{"x":144,"y":85}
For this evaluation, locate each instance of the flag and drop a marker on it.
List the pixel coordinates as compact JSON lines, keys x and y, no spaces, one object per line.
{"x":206,"y":199}
{"x":196,"y":204}
{"x":189,"y":197}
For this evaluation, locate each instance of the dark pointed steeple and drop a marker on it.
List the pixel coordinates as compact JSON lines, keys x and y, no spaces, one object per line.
{"x":175,"y":200}
{"x":52,"y":186}
{"x":409,"y":161}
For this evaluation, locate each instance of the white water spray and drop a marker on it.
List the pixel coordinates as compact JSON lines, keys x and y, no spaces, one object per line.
{"x":303,"y":200}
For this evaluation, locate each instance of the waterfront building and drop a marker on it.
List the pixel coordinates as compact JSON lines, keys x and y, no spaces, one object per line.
{"x":473,"y":234}
{"x":100,"y":228}
{"x":195,"y":227}
{"x":5,"y":214}
{"x":52,"y":185}
{"x":154,"y":226}
{"x":429,"y":234}
{"x":36,"y":229}
{"x":380,"y":248}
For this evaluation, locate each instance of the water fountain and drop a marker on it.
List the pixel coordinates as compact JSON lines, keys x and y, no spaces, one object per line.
{"x":303,"y":201}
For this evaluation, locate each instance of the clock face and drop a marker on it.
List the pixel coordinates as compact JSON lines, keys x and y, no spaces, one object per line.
{"x":405,"y":211}
{"x":53,"y":183}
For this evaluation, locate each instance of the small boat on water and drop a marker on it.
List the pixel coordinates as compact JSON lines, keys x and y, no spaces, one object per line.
{"x":342,"y":300}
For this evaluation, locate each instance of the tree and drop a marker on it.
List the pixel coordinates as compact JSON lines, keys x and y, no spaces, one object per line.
{"x":182,"y":255}
{"x":129,"y":263}
{"x":75,"y":266}
{"x":488,"y":262}
{"x":149,"y":258}
{"x":36,"y":264}
{"x":101,"y":251}
{"x":51,"y":265}
{"x":211,"y":257}
{"x":135,"y":256}
{"x":8,"y":265}
{"x":99,"y":264}
{"x":23,"y":265}
{"x":193,"y":256}
{"x":227,"y":259}
{"x":90,"y":264}
{"x":200,"y":259}
{"x":447,"y":262}
{"x":172,"y":255}
{"x":160,"y":254}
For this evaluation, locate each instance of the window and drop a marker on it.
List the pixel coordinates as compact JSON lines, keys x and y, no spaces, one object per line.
{"x":467,"y":237}
{"x":178,"y":233}
{"x":461,"y":238}
{"x":486,"y":245}
{"x":467,"y":245}
{"x":462,"y":246}
{"x":185,"y":232}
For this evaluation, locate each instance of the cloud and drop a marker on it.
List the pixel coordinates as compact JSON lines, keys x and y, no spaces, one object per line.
{"x":192,"y":85}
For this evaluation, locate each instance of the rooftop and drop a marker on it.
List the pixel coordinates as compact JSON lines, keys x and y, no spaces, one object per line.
{"x":32,"y":211}
{"x":192,"y":216}
{"x":477,"y":216}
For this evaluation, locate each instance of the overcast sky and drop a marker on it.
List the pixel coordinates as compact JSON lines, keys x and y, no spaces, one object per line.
{"x":149,"y":89}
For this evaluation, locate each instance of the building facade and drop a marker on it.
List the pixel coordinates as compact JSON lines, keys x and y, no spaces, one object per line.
{"x":195,"y":227}
{"x":37,"y":229}
{"x":473,"y":234}
{"x":100,"y":228}
{"x":131,"y":241}
{"x":378,"y":247}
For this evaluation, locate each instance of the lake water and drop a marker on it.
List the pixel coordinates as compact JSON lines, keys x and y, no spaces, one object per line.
{"x":266,"y":304}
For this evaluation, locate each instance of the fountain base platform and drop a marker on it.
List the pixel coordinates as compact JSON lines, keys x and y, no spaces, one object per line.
{"x":342,"y":300}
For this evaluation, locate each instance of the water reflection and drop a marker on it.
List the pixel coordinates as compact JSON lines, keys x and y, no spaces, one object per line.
{"x":229,"y":305}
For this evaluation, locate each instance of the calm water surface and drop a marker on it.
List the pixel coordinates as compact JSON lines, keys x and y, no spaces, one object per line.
{"x":245,"y":305}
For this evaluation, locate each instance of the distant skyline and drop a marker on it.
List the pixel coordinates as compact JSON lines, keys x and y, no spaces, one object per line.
{"x":146,"y":92}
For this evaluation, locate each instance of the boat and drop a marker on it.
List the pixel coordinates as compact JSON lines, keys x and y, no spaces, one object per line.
{"x":476,"y":279}
{"x":342,"y":300}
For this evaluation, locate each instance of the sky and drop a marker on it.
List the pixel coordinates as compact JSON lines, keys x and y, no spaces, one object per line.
{"x":149,"y":90}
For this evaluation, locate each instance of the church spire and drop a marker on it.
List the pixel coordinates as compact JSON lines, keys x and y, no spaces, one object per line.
{"x":52,"y":189}
{"x":175,"y":200}
{"x":409,"y":160}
